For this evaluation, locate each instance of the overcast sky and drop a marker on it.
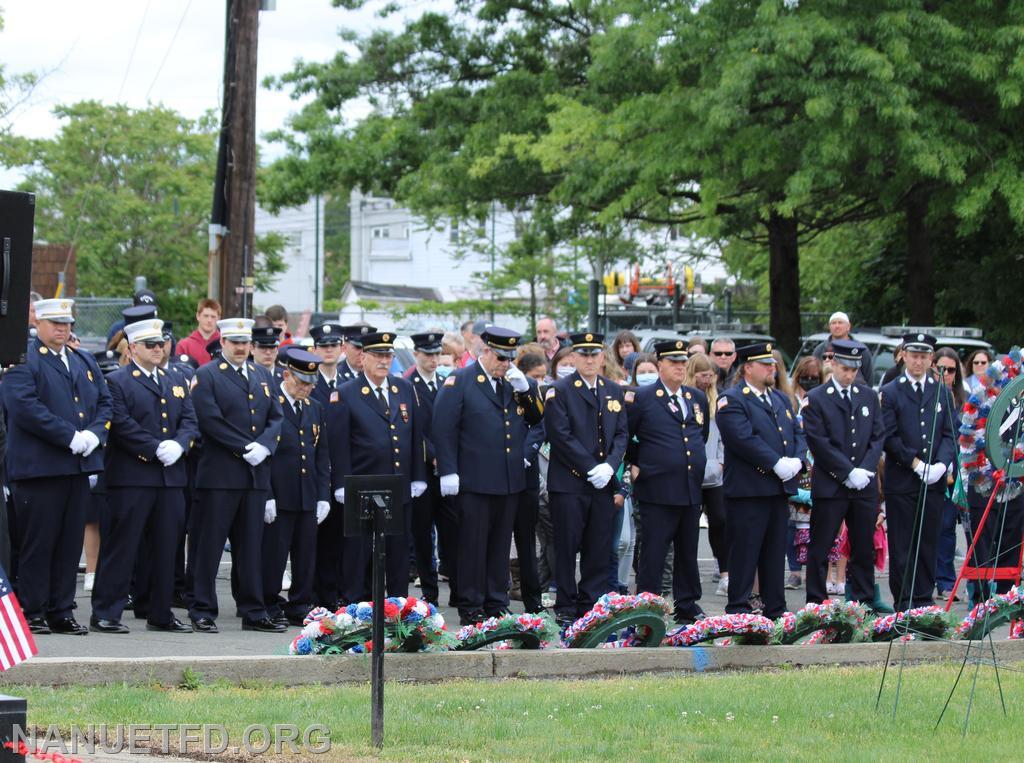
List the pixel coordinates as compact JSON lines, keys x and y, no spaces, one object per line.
{"x":85,"y":50}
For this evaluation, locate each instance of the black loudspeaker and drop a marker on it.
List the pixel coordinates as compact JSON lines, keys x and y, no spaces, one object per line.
{"x":17,"y":215}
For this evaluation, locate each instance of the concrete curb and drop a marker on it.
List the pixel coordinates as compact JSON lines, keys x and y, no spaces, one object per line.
{"x":556,"y":663}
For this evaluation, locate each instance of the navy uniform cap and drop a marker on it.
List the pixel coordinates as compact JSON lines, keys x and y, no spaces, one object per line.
{"x":848,"y":352}
{"x":327,"y":333}
{"x":266,"y":336}
{"x":587,"y":343}
{"x":502,"y":341}
{"x":138,"y":313}
{"x":756,"y":353}
{"x":214,"y":348}
{"x":918,"y":342}
{"x":144,"y":297}
{"x":168,"y":330}
{"x":354,"y":334}
{"x":187,"y":360}
{"x":302,"y":364}
{"x":671,"y":349}
{"x":429,"y":343}
{"x":378,"y":341}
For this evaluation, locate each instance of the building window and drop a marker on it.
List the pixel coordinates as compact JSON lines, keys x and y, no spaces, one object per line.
{"x":381,"y":231}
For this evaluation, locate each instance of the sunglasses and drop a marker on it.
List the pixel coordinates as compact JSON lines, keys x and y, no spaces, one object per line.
{"x":828,"y":355}
{"x":979,"y":362}
{"x":152,"y":344}
{"x":947,"y":369}
{"x":721,"y":354}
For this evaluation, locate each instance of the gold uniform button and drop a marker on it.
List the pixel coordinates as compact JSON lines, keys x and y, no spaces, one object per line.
{"x":397,"y":450}
{"x":81,"y":415}
{"x":508,"y":437}
{"x":301,"y":432}
{"x":687,"y":452}
{"x":250,"y":397}
{"x":507,"y":424}
{"x":508,"y":450}
{"x":397,"y":464}
{"x":303,"y":456}
{"x":252,"y":411}
{"x":163,"y":429}
{"x":76,"y":399}
{"x":392,"y":426}
{"x":785,"y":443}
{"x":254,"y":429}
{"x":164,"y":414}
{"x":163,"y":401}
{"x":303,"y":471}
{"x":394,"y":437}
{"x":686,"y":439}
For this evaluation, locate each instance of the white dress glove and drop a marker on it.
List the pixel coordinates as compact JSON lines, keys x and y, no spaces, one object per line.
{"x":600,"y":475}
{"x":270,"y":511}
{"x":93,"y":480}
{"x":91,"y":442}
{"x":919,"y":469}
{"x":323,"y":508}
{"x":858,"y":479}
{"x":418,"y":488}
{"x":787,"y":468}
{"x":517,"y":379}
{"x":168,"y":452}
{"x":935,"y":472}
{"x":255,"y":454}
{"x":339,"y":495}
{"x":449,"y":484}
{"x":77,"y":444}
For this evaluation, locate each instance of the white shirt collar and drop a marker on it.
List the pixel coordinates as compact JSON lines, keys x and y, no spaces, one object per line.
{"x":839,"y":387}
{"x":912,"y":380}
{"x":289,"y":398}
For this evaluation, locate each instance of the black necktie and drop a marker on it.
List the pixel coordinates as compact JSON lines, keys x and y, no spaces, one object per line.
{"x":383,"y":401}
{"x":330,"y":384}
{"x":240,"y":372}
{"x":499,"y":389}
{"x":846,"y":396}
{"x":431,"y":387}
{"x":298,"y":409}
{"x":767,"y":401}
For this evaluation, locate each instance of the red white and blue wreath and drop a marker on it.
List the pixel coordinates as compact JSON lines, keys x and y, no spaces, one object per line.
{"x":741,"y":629}
{"x":981,"y":475}
{"x":410,"y":624}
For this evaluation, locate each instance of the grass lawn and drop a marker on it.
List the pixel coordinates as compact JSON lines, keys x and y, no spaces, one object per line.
{"x":810,"y":714}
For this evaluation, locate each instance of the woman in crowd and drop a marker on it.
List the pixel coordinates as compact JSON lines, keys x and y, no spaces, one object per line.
{"x":624,"y":343}
{"x":950,"y":373}
{"x":976,"y":367}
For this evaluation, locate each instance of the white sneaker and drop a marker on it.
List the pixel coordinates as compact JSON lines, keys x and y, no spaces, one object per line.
{"x":831,"y":587}
{"x":90,"y":578}
{"x":723,"y":586}
{"x":286,"y":581}
{"x":840,"y":589}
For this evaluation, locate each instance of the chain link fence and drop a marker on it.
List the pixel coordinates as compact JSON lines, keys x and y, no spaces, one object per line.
{"x":94,"y":316}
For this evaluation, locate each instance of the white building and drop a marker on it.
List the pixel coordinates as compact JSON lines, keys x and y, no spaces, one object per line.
{"x":300,"y":287}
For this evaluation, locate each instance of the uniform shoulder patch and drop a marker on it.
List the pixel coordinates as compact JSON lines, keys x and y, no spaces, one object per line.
{"x":550,"y":394}
{"x":629,"y":396}
{"x":722,"y":402}
{"x":449,"y":382}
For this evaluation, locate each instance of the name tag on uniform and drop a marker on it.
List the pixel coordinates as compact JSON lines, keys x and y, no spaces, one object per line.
{"x":864,"y":411}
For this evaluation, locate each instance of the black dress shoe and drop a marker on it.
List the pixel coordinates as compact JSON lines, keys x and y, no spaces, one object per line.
{"x":689,"y":617}
{"x":174,"y":626}
{"x":297,"y":620}
{"x":280,"y":618}
{"x":204,"y":625}
{"x":39,"y":625}
{"x":69,"y":627}
{"x":471,"y":618}
{"x":266,"y":625}
{"x":99,"y":625}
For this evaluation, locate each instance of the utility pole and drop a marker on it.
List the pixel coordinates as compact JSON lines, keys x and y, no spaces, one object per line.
{"x":232,"y":222}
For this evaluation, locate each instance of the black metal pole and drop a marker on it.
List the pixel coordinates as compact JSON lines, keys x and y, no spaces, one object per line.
{"x":377,"y":658}
{"x":592,"y":288}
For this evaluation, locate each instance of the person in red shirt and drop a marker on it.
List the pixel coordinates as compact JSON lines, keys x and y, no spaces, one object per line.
{"x":194,"y":345}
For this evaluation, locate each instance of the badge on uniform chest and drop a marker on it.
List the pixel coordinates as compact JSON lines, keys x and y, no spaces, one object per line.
{"x":178,"y":391}
{"x":403,"y":408}
{"x":698,"y":415}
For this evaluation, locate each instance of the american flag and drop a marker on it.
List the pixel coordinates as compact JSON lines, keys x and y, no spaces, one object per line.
{"x":16,"y":642}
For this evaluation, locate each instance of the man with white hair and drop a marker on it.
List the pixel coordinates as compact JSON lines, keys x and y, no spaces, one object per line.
{"x":839,"y":328}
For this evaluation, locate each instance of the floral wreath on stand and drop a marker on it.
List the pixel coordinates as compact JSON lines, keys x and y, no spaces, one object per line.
{"x":644,"y":613}
{"x":509,"y":632}
{"x":843,"y":620}
{"x":741,"y":628}
{"x":991,"y":614}
{"x":974,"y":462}
{"x":410,"y":625}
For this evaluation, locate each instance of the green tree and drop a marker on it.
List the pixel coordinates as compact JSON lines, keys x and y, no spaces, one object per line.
{"x":130,"y":190}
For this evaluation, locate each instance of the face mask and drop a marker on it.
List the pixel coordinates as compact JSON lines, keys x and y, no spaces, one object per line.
{"x":443,"y":371}
{"x":564,"y":371}
{"x":808,"y":383}
{"x":647,"y":378}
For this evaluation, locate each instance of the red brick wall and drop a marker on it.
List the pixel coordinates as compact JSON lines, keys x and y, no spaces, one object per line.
{"x":47,"y":261}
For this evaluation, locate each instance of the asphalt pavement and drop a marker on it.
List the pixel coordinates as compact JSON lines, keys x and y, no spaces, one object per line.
{"x":232,"y":640}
